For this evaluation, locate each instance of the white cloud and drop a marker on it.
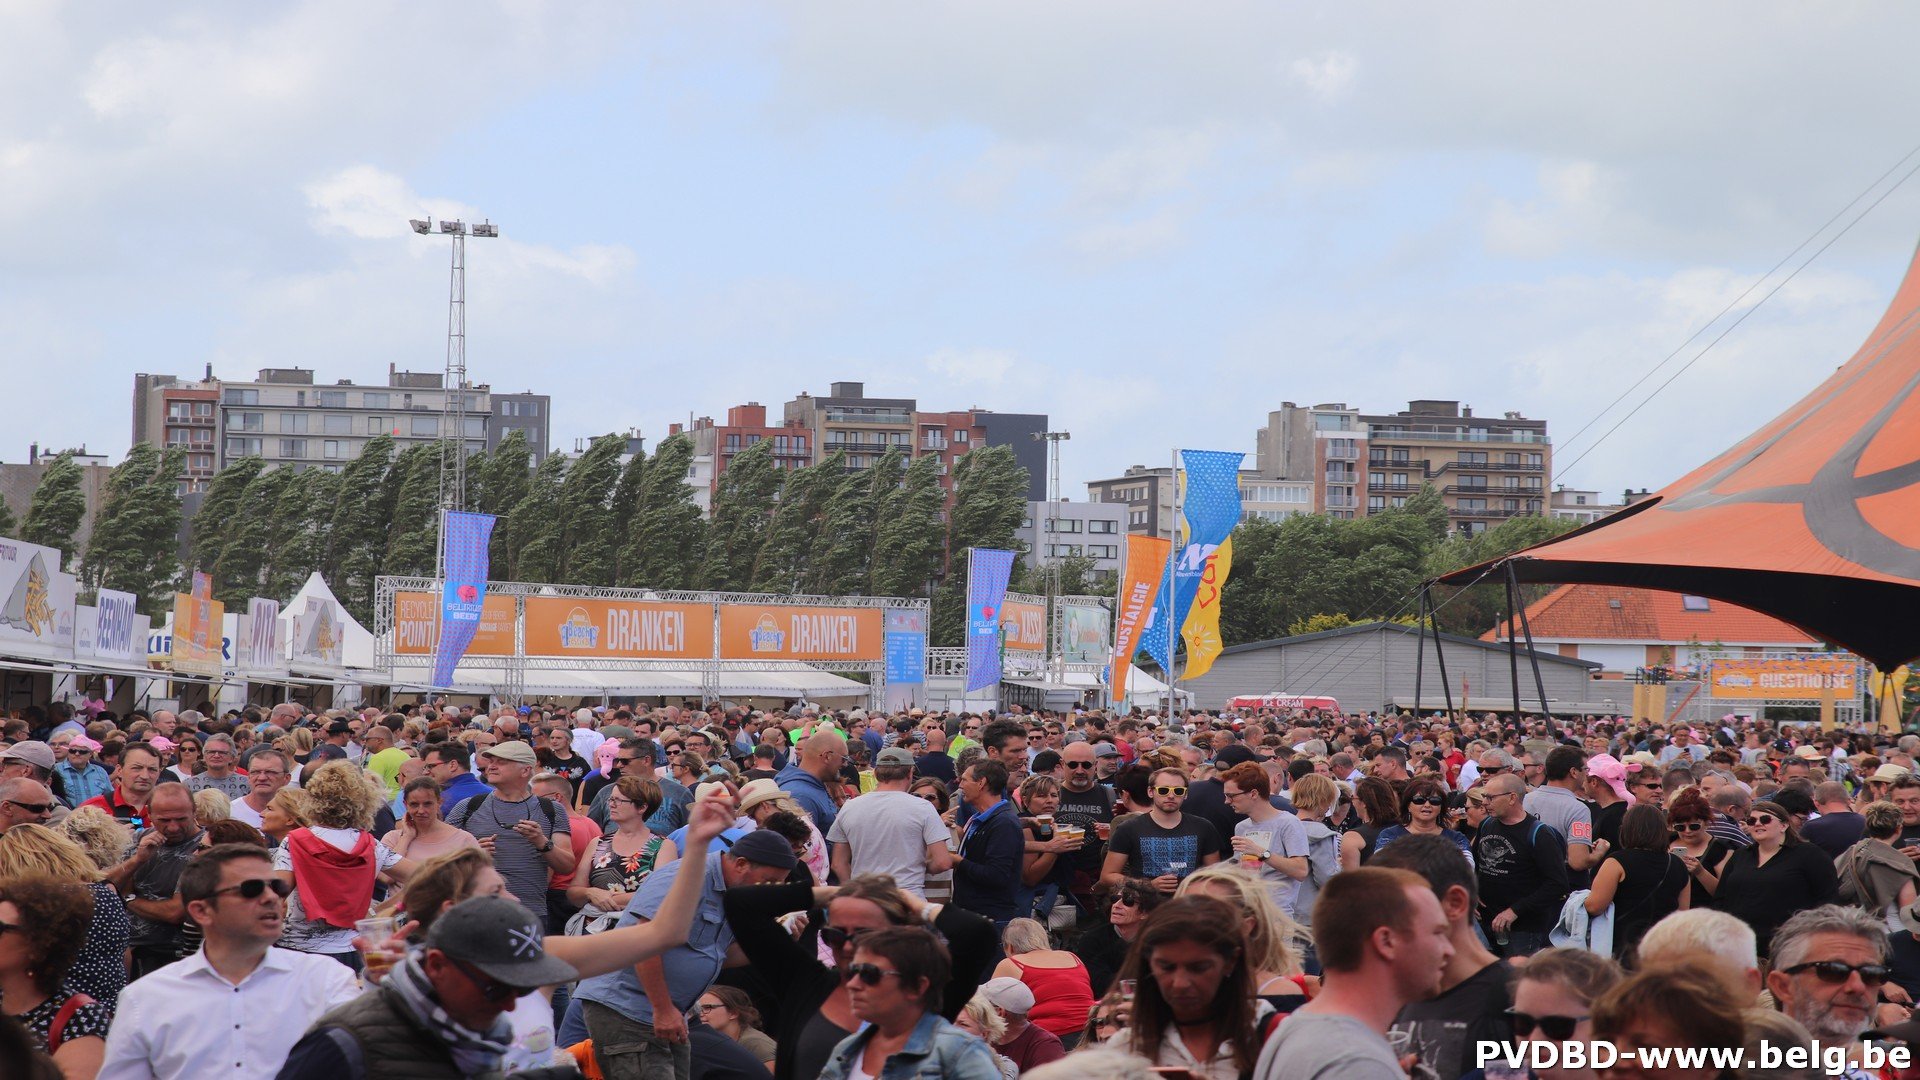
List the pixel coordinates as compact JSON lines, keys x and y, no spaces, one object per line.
{"x":972,"y":366}
{"x":1328,"y":77}
{"x":1575,"y":203}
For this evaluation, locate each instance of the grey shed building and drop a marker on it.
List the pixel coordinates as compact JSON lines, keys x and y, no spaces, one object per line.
{"x":1371,"y":666}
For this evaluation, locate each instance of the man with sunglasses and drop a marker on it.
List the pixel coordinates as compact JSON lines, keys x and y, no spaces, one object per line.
{"x":1521,"y":865}
{"x":238,"y":1005}
{"x":1828,"y":965}
{"x":1087,"y":803}
{"x":448,"y":765}
{"x":80,"y":774}
{"x":1165,"y":844}
{"x":25,"y":802}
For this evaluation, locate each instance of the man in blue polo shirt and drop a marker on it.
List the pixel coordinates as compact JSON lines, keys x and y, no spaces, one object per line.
{"x":806,"y":779}
{"x":448,"y":764}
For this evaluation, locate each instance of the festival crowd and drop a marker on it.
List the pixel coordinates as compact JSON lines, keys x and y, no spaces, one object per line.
{"x":642,"y":893}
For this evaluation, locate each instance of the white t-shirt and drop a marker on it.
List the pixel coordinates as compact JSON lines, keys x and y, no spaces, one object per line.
{"x":242,"y":811}
{"x":887,"y":832}
{"x":1285,"y":835}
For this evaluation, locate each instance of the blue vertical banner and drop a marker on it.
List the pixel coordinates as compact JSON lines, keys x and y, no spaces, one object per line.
{"x":906,"y":647}
{"x":988,"y":570}
{"x":463,"y":592}
{"x":1212,"y":509}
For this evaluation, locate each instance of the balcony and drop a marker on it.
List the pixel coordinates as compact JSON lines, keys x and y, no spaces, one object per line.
{"x":1489,"y":466}
{"x":1493,"y":512}
{"x":189,"y":421}
{"x":1339,"y":453}
{"x":1398,"y":435}
{"x":1394,"y":489}
{"x":933,"y":442}
{"x":897,"y":417}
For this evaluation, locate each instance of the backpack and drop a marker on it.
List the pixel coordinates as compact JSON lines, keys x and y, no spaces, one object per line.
{"x":466,"y":810}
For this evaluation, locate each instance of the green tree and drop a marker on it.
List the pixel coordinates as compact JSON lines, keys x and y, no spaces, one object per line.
{"x":842,"y":559}
{"x":742,"y":513}
{"x":414,"y":533}
{"x":225,"y":502}
{"x":989,"y":502}
{"x":588,"y":547}
{"x":1247,"y":602}
{"x":356,"y":533}
{"x":252,"y":539}
{"x":301,"y":516}
{"x":785,"y":563}
{"x":135,"y":544}
{"x":58,"y":507}
{"x":665,"y":536}
{"x":623,"y":512}
{"x":1482,"y":606}
{"x":533,"y":526}
{"x":500,"y":482}
{"x":9,"y":526}
{"x":910,"y":536}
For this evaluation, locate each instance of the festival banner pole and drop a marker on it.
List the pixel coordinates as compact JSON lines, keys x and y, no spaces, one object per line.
{"x":1173,"y":555}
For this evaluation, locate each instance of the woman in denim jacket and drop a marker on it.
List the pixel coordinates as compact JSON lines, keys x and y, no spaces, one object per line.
{"x":890,"y":985}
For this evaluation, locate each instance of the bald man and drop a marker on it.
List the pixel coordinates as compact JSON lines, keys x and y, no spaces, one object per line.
{"x":807,"y":779}
{"x":24,"y":800}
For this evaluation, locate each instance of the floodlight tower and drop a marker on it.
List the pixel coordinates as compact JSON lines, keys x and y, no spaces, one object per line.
{"x":453,"y":410}
{"x":1056,"y":648}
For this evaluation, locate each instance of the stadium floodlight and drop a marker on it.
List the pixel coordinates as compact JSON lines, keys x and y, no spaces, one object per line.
{"x":424,"y":228}
{"x":486,"y":229}
{"x":452,"y":227}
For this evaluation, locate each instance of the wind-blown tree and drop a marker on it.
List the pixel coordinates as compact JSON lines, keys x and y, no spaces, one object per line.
{"x":225,"y":502}
{"x":842,"y":559}
{"x":356,"y":534}
{"x":301,"y":517}
{"x":910,"y":534}
{"x":785,"y":558}
{"x":665,"y":537}
{"x":501,"y":480}
{"x":252,"y":540}
{"x":58,"y":506}
{"x":135,"y":544}
{"x":587,"y":543}
{"x":989,"y":502}
{"x":533,"y":545}
{"x":414,"y":532}
{"x":623,"y":511}
{"x":742,"y":513}
{"x":9,"y":525}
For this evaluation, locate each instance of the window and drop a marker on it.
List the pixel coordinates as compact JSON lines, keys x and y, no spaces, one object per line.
{"x":1473,"y":457}
{"x":293,"y":448}
{"x":1477,"y":506}
{"x":203,"y":408}
{"x":1376,"y":503}
{"x":242,"y":447}
{"x":426,"y":426}
{"x":1376,"y":479}
{"x":375,"y":401}
{"x":1534,"y":460}
{"x":519,"y":408}
{"x":179,"y":410}
{"x":248,"y":421}
{"x":1399,"y":502}
{"x":1103,"y":551}
{"x":1695,"y":603}
{"x":1474,"y":483}
{"x":960,"y":435}
{"x":203,"y":436}
{"x":1400,"y":479}
{"x":232,"y":396}
{"x":1332,"y":422}
{"x":293,"y":423}
{"x":1108,"y":527}
{"x":1511,"y":458}
{"x":475,"y":427}
{"x":1400,"y":457}
{"x":331,"y":399}
{"x":337,"y":424}
{"x":202,"y":462}
{"x":800,"y":443}
{"x":380,"y":425}
{"x":1510,"y":504}
{"x":330,"y":448}
{"x":300,"y":398}
{"x":1064,"y":525}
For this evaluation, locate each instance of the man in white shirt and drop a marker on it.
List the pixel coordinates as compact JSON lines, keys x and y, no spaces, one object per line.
{"x":235,"y":1008}
{"x":269,"y":771}
{"x":888,"y":831}
{"x":586,"y":736}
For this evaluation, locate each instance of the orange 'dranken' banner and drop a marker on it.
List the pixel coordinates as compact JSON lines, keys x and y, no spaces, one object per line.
{"x":1146,"y":564}
{"x":782,"y":632}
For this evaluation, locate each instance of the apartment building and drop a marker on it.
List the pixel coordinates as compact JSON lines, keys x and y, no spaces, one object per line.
{"x":1067,"y":529}
{"x":285,"y":417}
{"x":1147,"y":495}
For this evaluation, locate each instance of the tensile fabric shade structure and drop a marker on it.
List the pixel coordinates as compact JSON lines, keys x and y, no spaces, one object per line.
{"x":1814,"y":518}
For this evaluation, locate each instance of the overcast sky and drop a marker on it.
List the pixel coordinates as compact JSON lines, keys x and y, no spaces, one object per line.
{"x":1153,"y":222}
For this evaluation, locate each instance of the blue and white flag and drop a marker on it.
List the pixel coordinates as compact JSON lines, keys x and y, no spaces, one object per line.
{"x":1212,"y":509}
{"x":988,"y":570}
{"x":464,"y":591}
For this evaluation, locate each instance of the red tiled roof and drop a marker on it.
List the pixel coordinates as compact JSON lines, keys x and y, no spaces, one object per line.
{"x":1616,"y":612}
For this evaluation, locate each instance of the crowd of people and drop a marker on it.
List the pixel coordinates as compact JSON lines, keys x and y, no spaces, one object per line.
{"x":662,"y":893}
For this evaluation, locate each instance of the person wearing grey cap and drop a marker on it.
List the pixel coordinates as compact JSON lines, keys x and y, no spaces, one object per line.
{"x":441,"y":1011}
{"x":637,"y":1016}
{"x":889,"y":831}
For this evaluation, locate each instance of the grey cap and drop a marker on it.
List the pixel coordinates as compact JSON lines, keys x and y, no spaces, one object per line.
{"x":37,"y":754}
{"x":766,"y":847}
{"x":501,"y":938}
{"x":894,"y":755}
{"x":1105,"y":749}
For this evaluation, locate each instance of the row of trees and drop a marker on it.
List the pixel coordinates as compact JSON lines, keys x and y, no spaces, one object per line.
{"x":825,"y":529}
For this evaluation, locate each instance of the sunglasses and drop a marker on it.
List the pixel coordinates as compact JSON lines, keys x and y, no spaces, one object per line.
{"x":492,"y":990}
{"x":1079,"y":764}
{"x":836,"y":936}
{"x":867,"y":974}
{"x":1105,"y":1022}
{"x":705,"y":1009}
{"x":1836,"y":971}
{"x":1689,"y":826}
{"x":1762,"y":819}
{"x":1426,"y":800}
{"x":253,"y":888}
{"x":1492,"y":770}
{"x":934,"y":799}
{"x":1558,"y":1028}
{"x":32,"y":807}
{"x":1169,"y":791}
{"x":1128,"y":899}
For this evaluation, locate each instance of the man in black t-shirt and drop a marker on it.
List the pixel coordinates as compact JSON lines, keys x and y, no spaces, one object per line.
{"x":1471,"y":1006}
{"x":1164,"y":844}
{"x":1086,"y":804}
{"x":1522,"y":868}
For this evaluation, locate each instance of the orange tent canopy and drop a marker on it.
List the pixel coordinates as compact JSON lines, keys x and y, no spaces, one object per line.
{"x":1814,"y":518}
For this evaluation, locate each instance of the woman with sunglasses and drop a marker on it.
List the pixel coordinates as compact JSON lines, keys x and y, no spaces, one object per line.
{"x":1103,"y":949}
{"x":1553,"y":1001}
{"x":35,"y":851}
{"x":895,"y":980}
{"x":729,"y":1011}
{"x":1641,"y":879}
{"x":187,"y":763}
{"x":1107,"y":1018}
{"x":1703,"y":854}
{"x":1764,"y":884}
{"x":938,"y":887}
{"x":1421,"y":806}
{"x":816,"y":1011}
{"x":1045,"y":872}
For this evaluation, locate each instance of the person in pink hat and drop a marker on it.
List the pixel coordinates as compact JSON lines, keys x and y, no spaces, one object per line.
{"x":1606,"y":789}
{"x":82,"y":776}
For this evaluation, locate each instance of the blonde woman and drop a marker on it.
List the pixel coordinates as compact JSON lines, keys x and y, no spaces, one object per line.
{"x":286,"y":812}
{"x":35,"y":851}
{"x":211,"y":805}
{"x":1272,"y":936}
{"x":978,"y":1018}
{"x":104,"y":838}
{"x":332,"y":864}
{"x":1062,"y":989}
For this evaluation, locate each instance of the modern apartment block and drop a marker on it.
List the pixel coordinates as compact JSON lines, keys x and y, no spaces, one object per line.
{"x":1487,"y":469}
{"x":1066,"y":529}
{"x":1148,"y":497}
{"x":284,"y":416}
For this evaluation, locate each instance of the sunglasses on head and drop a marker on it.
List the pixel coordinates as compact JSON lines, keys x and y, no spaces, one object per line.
{"x":1836,"y":971}
{"x":1426,"y":800}
{"x":1558,"y":1028}
{"x":836,"y":936}
{"x":1169,"y":790}
{"x":253,"y":888}
{"x":867,"y":974}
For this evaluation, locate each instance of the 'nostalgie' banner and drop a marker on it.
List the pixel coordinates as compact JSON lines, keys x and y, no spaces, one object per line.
{"x":1212,"y":508}
{"x":1202,"y":631}
{"x":463,"y":593}
{"x":988,"y":570}
{"x":1146,"y":565}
